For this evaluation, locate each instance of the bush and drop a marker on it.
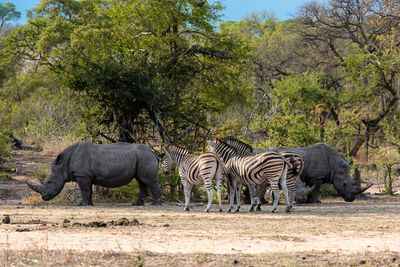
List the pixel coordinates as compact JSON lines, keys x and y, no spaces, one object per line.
{"x":126,"y":193}
{"x":5,"y":147}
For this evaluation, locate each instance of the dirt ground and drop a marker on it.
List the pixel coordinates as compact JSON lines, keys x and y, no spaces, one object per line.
{"x":364,"y":232}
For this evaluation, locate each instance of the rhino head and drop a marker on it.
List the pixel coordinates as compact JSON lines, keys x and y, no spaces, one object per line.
{"x":344,"y":184}
{"x":52,"y":185}
{"x":302,"y":192}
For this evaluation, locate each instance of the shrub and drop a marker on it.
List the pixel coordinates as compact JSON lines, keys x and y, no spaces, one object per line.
{"x":5,"y":147}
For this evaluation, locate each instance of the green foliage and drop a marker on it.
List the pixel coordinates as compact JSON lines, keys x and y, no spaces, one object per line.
{"x":35,"y":107}
{"x":5,"y":147}
{"x":42,"y":172}
{"x":302,"y":93}
{"x":293,"y":130}
{"x":169,"y":71}
{"x":4,"y":176}
{"x":126,"y":193}
{"x":8,"y":13}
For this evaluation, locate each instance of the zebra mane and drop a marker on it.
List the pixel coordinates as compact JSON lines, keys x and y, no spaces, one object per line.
{"x":180,"y":150}
{"x":237,"y":142}
{"x":226,"y":145}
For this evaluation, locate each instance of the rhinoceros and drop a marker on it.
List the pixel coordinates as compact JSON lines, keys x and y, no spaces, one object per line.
{"x":107,"y":165}
{"x":324,"y":164}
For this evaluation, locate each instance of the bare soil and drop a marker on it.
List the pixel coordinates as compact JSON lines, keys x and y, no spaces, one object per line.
{"x":364,"y":232}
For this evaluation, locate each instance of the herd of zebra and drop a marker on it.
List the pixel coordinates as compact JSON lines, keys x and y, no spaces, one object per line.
{"x":233,"y":161}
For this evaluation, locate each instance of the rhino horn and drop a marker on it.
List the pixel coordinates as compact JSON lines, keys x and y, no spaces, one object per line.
{"x":359,"y":190}
{"x":308,"y":190}
{"x":35,"y":187}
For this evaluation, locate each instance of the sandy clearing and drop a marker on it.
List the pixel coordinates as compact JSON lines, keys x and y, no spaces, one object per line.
{"x":344,"y":229}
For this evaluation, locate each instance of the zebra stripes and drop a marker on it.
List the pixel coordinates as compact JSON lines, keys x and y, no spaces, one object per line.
{"x":195,"y":170}
{"x":293,"y":173}
{"x":253,"y":170}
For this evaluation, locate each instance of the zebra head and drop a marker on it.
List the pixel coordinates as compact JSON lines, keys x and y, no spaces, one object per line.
{"x":173,"y":156}
{"x":168,"y":163}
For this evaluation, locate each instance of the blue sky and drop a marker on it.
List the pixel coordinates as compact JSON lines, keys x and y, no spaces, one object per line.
{"x":235,"y":9}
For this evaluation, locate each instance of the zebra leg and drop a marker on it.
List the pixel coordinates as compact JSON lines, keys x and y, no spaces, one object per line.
{"x":210,"y":191}
{"x":219,"y":193}
{"x":292,"y":190}
{"x":187,"y":188}
{"x":238,"y":188}
{"x":283,"y":183}
{"x":275,"y":193}
{"x":231,"y":188}
{"x":258,"y":199}
{"x":252,"y":191}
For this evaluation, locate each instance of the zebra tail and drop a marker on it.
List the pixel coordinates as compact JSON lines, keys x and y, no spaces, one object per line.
{"x":288,"y":164}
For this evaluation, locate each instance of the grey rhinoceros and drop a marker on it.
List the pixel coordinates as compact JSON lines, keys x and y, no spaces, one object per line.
{"x":324,"y":164}
{"x":107,"y":165}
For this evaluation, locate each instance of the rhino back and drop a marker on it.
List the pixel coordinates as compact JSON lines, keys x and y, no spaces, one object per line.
{"x":316,"y":161}
{"x":112,"y":165}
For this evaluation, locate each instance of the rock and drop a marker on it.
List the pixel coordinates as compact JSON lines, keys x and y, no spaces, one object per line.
{"x":362,"y":262}
{"x":235,"y":261}
{"x":66,"y":221}
{"x":97,"y":224}
{"x":121,"y":222}
{"x":6,"y":219}
{"x":23,"y":230}
{"x":136,"y":222}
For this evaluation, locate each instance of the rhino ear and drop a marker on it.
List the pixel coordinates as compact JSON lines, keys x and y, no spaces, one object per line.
{"x":59,"y":159}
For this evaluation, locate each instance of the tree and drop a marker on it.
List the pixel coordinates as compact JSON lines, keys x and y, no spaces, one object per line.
{"x":359,"y":48}
{"x":8,"y":13}
{"x":137,"y":64}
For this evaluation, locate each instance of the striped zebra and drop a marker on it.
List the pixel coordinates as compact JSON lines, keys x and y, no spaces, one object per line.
{"x":293,"y":173}
{"x":268,"y":167}
{"x":195,"y":170}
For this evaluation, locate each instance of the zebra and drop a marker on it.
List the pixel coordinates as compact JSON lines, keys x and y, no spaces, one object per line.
{"x":195,"y":170}
{"x":253,"y":170}
{"x":293,"y":173}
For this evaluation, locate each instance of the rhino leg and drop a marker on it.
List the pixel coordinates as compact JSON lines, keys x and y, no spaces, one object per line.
{"x":142,"y":194}
{"x":312,"y":198}
{"x":85,"y":185}
{"x":156,"y":192}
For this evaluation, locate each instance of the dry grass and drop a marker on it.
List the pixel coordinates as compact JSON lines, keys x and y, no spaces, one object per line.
{"x":144,"y":258}
{"x":53,"y":148}
{"x":33,"y":199}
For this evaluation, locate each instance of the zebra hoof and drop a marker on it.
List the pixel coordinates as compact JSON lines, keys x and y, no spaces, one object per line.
{"x":206,"y":211}
{"x":251,"y":209}
{"x":187,"y":209}
{"x":229,"y":210}
{"x":220,"y":210}
{"x":258,"y":208}
{"x":287,"y":210}
{"x":272,"y":211}
{"x":237,"y":210}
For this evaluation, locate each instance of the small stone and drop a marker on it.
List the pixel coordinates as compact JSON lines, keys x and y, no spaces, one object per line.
{"x":394,"y":259}
{"x":66,"y":221}
{"x":135,"y":222}
{"x":304,"y":258}
{"x":166,"y":225}
{"x":23,"y":230}
{"x":235,"y":261}
{"x":362,"y":262}
{"x":6,"y":219}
